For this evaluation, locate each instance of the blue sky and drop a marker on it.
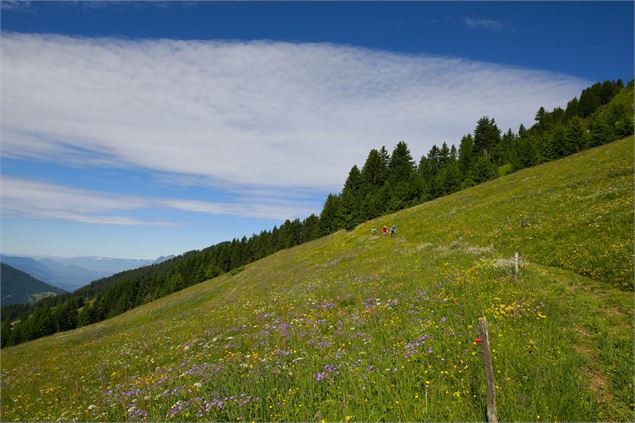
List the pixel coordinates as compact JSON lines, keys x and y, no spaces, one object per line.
{"x":146,"y":129}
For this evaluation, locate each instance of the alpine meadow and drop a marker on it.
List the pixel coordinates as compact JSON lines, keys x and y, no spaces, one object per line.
{"x":200,"y":221}
{"x":356,"y":327}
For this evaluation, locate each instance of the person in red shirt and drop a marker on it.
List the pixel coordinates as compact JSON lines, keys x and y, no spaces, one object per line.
{"x":384,"y":230}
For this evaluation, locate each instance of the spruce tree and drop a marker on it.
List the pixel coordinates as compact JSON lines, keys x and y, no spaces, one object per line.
{"x":373,"y":171}
{"x":601,"y":132}
{"x":452,"y":182}
{"x":434,"y":160}
{"x":483,"y":170}
{"x":607,"y":91}
{"x":503,"y":151}
{"x":466,"y":154}
{"x":401,"y":164}
{"x":425,"y":174}
{"x":444,"y":155}
{"x":453,"y":154}
{"x":526,"y":152}
{"x":351,"y":204}
{"x":573,"y":108}
{"x":486,"y":136}
{"x":522,"y":130}
{"x":329,"y":218}
{"x":557,"y":139}
{"x":575,"y":139}
{"x":590,"y":100}
{"x":540,"y":117}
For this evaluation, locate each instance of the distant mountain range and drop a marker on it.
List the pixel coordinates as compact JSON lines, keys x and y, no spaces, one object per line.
{"x":20,"y":288}
{"x":71,"y":273}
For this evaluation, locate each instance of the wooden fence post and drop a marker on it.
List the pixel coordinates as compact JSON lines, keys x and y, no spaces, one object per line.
{"x":516,"y":265}
{"x":489,"y":372}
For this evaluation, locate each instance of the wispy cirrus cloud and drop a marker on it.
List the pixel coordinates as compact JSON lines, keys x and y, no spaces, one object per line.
{"x":486,"y":24}
{"x":31,"y":199}
{"x":15,"y":5}
{"x":268,"y":114}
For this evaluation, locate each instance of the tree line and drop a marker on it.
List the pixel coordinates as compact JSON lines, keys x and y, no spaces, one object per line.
{"x":387,"y":182}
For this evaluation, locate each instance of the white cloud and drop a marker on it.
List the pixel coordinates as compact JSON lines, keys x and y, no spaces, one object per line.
{"x":41,"y":200}
{"x":266,"y":114}
{"x":15,"y":5}
{"x":482,"y":23}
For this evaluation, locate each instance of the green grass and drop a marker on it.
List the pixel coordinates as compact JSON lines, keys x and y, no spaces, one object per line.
{"x":353,"y":327}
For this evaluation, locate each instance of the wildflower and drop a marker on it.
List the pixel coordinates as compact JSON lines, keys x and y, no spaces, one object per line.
{"x":478,"y":340}
{"x":326,"y":372}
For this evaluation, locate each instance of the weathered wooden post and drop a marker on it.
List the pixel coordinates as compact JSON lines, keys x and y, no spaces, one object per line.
{"x":516,"y":266}
{"x":489,"y":372}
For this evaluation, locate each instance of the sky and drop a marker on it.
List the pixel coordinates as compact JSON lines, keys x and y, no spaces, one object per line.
{"x":147,"y":129}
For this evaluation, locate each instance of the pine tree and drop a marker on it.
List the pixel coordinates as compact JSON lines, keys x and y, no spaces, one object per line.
{"x":329,"y":218}
{"x":608,"y":91}
{"x":542,"y":147}
{"x":590,"y":100}
{"x":401,"y":164}
{"x":622,"y":119}
{"x":444,"y":155}
{"x":434,"y":161}
{"x":453,"y":154}
{"x":437,"y":188}
{"x":351,"y":208}
{"x":373,"y":171}
{"x":573,"y":108}
{"x":503,"y":150}
{"x":425,"y":175}
{"x":526,"y":152}
{"x":601,"y":132}
{"x":385,"y":161}
{"x":483,"y":170}
{"x":540,"y":117}
{"x":557,"y":139}
{"x":486,"y":136}
{"x":452,"y":182}
{"x":466,"y":154}
{"x":86,"y":315}
{"x":374,"y":204}
{"x":575,"y":139}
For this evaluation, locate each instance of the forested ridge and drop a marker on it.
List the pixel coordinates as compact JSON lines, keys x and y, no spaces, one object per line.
{"x":388,"y":181}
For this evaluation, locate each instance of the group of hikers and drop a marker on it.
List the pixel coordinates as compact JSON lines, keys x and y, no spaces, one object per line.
{"x":384,"y":231}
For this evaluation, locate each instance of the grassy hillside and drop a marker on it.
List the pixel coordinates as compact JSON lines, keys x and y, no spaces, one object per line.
{"x":21,"y":288}
{"x":354,"y":327}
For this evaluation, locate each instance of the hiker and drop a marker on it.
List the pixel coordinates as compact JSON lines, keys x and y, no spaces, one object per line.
{"x":384,"y":230}
{"x":393,"y":231}
{"x":373,"y":231}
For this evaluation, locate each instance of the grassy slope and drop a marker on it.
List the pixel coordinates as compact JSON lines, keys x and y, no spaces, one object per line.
{"x":361,"y":328}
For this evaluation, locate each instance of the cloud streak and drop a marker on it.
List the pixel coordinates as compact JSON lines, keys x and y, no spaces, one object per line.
{"x":482,"y":23}
{"x":258,"y":114}
{"x":29,"y":199}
